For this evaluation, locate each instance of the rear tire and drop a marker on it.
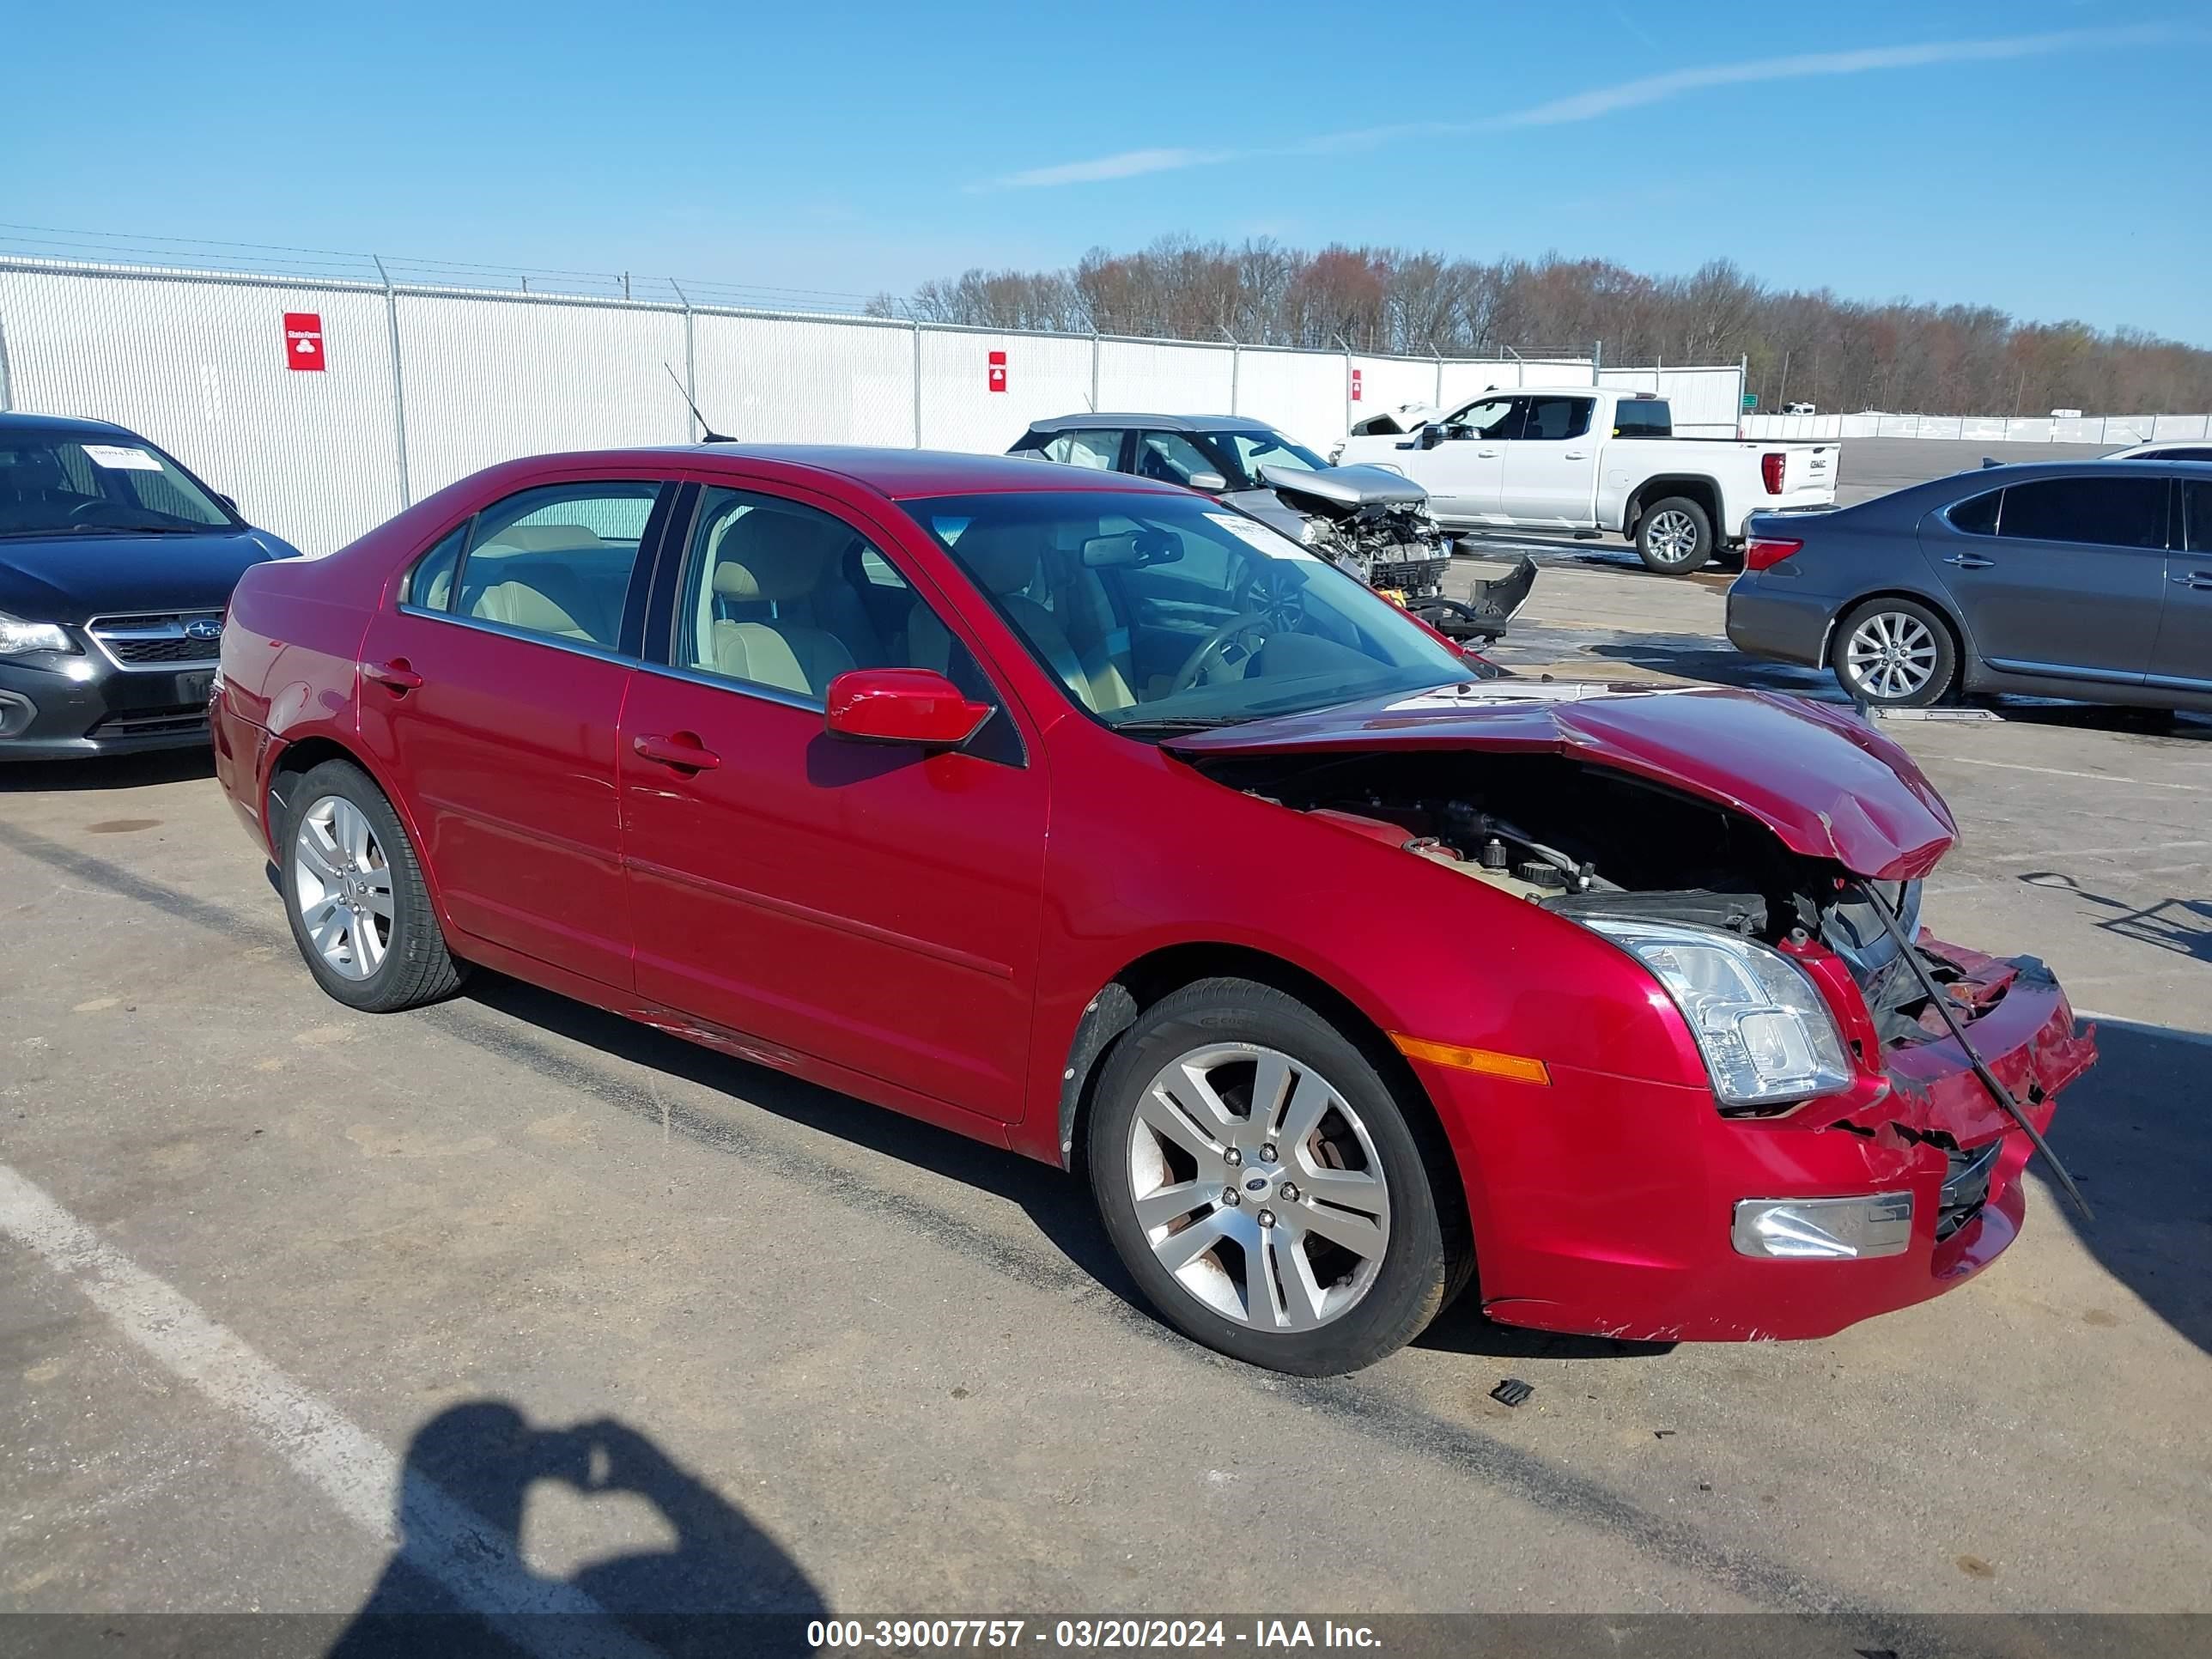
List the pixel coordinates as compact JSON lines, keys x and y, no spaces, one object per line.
{"x":1674,"y":536}
{"x":1349,"y":1256}
{"x":1894,"y":653}
{"x":354,"y":894}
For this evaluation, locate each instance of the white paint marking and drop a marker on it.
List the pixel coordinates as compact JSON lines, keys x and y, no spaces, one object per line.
{"x":476,"y":1564}
{"x":2060,"y":772}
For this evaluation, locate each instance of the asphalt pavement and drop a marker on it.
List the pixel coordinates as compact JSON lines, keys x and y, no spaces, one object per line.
{"x":613,"y":1321}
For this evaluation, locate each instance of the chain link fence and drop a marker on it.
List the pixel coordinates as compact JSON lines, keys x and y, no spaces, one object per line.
{"x":325,"y":401}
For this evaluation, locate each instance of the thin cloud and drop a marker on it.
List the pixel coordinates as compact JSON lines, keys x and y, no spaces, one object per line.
{"x":1129,"y":164}
{"x":1628,"y":95}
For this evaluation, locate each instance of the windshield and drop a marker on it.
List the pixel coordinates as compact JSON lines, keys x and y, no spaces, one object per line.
{"x":1159,"y":613}
{"x":1250,"y":451}
{"x":63,"y":483}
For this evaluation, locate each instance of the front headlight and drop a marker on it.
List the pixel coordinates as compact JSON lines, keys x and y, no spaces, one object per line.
{"x":18,"y":637}
{"x":1766,"y":1036}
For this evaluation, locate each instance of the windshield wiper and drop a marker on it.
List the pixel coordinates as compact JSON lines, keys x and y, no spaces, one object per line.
{"x":1181,"y":723}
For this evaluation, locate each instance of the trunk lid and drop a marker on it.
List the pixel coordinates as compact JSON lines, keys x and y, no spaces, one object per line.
{"x":1826,"y":784}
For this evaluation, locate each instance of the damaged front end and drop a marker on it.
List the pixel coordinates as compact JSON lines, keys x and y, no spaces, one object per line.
{"x":1376,"y":525}
{"x":1858,"y":1149}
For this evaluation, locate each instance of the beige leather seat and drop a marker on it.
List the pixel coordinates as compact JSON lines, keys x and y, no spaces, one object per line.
{"x":526,"y":605}
{"x":762,"y":556}
{"x":540,"y":594}
{"x":1004,"y":559}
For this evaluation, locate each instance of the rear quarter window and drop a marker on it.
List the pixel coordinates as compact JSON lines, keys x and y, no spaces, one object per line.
{"x":1977,"y":514}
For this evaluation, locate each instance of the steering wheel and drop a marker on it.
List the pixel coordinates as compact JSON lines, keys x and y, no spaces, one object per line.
{"x":1272,"y":602}
{"x":1248,"y":623}
{"x":86,"y":509}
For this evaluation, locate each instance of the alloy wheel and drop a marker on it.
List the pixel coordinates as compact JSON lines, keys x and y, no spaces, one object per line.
{"x":1891,"y":655}
{"x":1258,"y":1187}
{"x":1672,"y":537}
{"x":342,"y":882}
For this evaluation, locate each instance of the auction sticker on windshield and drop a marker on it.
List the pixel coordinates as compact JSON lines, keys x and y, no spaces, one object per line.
{"x":1273,"y":542}
{"x":122,"y":458}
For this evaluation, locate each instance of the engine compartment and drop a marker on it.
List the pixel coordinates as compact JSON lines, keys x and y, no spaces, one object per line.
{"x":1396,"y":549}
{"x":1584,"y":840}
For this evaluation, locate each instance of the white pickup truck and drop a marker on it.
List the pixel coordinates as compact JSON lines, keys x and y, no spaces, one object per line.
{"x":1584,"y":459}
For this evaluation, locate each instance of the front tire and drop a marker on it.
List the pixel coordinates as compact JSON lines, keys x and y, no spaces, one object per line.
{"x":1674,"y":536}
{"x":354,"y":894}
{"x":1894,"y":653}
{"x":1264,"y":1187}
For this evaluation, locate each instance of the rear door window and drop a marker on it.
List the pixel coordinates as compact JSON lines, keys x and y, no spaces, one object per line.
{"x":555,"y":561}
{"x":1099,"y":449}
{"x":2101,"y":512}
{"x":1552,"y":419}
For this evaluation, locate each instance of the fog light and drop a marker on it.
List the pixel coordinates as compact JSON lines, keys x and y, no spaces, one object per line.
{"x":1823,"y":1229}
{"x":15,"y":712}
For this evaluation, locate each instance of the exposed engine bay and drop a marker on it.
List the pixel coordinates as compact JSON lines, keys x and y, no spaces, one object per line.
{"x":1590,"y":840}
{"x":1375,"y":525}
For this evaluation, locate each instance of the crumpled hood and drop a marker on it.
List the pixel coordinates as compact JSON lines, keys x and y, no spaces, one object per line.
{"x":1823,"y":781}
{"x":1269,"y":508}
{"x":1344,"y":489}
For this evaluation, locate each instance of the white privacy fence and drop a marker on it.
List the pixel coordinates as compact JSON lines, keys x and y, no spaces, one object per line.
{"x":326,"y":405}
{"x":2110,"y":429}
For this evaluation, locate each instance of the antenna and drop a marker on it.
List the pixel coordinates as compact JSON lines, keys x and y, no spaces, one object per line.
{"x":706,"y":434}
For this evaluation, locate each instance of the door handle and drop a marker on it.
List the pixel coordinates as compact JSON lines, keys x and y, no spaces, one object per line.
{"x":1486,"y":453}
{"x":2199,"y":579}
{"x":1969,"y":562}
{"x":1578,"y":454}
{"x":683,"y":751}
{"x":396,"y":676}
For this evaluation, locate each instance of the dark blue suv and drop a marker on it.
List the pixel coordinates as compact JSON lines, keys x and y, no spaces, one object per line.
{"x":115,"y":565}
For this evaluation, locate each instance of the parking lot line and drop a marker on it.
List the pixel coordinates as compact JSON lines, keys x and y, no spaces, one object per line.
{"x":2062,"y":772}
{"x":472,"y":1561}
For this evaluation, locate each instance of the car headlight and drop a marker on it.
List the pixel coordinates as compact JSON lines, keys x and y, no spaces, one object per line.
{"x":1765,"y":1033}
{"x":18,"y":637}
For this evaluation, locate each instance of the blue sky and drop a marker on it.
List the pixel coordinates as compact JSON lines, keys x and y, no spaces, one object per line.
{"x":2043,"y":156}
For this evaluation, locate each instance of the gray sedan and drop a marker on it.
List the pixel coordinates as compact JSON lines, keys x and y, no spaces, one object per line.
{"x":2083,"y":579}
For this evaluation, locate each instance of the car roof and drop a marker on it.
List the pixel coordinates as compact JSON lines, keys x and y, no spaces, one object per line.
{"x":2022,"y":471}
{"x":1157,"y":422}
{"x":1555,"y":392}
{"x":24,"y":420}
{"x":899,"y":474}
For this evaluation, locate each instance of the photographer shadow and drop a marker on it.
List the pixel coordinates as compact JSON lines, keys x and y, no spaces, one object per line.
{"x":461,"y":1583}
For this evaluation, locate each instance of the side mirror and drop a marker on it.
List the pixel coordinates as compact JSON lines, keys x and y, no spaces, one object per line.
{"x":916,"y":705}
{"x":1431,"y":435}
{"x":1211,"y":482}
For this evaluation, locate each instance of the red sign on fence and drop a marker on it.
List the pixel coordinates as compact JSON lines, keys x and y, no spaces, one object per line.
{"x":997,"y":371}
{"x":303,"y":339}
{"x":1355,"y":386}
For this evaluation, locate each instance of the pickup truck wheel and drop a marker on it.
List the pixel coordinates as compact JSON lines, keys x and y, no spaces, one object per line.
{"x":1674,"y":536}
{"x":1894,"y":653}
{"x":1263,"y":1187}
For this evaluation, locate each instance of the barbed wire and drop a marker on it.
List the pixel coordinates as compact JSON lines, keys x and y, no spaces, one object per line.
{"x":190,"y":253}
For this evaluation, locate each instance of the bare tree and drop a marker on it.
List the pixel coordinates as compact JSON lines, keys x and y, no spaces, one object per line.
{"x":1809,"y":346}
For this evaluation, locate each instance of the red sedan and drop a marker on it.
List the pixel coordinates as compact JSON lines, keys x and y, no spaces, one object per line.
{"x":1083,"y":816}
